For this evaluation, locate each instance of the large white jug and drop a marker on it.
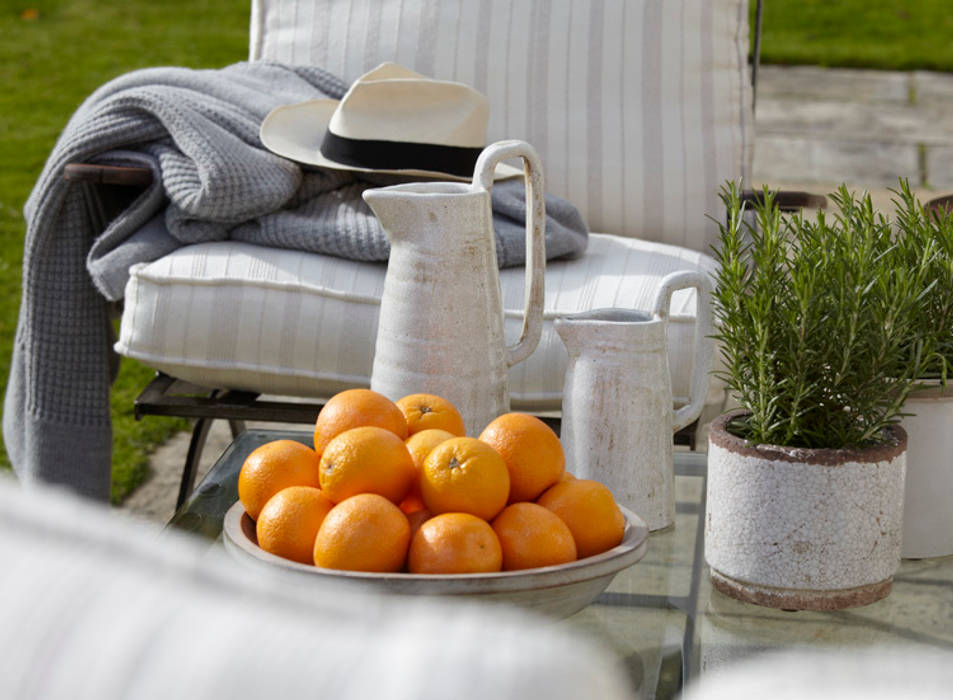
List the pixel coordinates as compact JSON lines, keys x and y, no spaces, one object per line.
{"x":441,"y":317}
{"x":617,"y":417}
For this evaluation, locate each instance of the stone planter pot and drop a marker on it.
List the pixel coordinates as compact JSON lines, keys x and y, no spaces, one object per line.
{"x":803,"y":529}
{"x":928,"y":499}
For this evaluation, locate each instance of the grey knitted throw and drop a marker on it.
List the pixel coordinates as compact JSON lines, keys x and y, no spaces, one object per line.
{"x":198,"y":132}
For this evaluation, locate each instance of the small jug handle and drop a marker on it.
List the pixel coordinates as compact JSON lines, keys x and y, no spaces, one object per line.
{"x":703,"y":346}
{"x":535,"y":236}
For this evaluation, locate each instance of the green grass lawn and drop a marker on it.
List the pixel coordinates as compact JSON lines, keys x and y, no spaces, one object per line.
{"x":54,"y":53}
{"x":889,"y":34}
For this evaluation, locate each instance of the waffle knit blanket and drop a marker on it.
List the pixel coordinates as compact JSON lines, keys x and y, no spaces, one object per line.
{"x":198,"y":133}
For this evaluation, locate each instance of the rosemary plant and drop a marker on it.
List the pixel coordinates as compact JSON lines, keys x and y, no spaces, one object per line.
{"x":918,"y":229}
{"x":819,"y":321}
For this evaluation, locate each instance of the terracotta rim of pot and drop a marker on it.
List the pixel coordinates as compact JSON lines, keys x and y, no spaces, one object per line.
{"x":800,"y":599}
{"x":892,"y":447}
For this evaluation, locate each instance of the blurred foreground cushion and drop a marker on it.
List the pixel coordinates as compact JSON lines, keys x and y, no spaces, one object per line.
{"x":96,"y":605}
{"x":877,"y":673}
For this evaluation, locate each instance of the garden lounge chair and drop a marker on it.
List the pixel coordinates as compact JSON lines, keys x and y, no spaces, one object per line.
{"x":640,"y":109}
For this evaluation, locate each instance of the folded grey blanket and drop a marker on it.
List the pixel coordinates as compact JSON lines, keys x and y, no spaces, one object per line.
{"x":198,"y":132}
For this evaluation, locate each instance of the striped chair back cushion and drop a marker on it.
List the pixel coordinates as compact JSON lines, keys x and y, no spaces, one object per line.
{"x":641,"y":109}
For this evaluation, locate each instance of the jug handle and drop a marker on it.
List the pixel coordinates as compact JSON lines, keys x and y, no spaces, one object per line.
{"x":704,"y":344}
{"x":535,"y":236}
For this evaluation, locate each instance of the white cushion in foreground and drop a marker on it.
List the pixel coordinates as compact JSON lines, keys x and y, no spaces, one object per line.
{"x":275,"y":321}
{"x":875,"y":673}
{"x":94,"y":605}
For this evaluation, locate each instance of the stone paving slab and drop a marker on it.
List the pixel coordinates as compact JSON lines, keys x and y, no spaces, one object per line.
{"x":815,"y":83}
{"x":858,"y":126}
{"x":813,"y":160}
{"x":939,"y":167}
{"x":931,"y":86}
{"x":860,"y":122}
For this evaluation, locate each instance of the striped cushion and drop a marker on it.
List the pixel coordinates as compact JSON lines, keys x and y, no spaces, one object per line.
{"x":641,"y":109}
{"x":278,"y":321}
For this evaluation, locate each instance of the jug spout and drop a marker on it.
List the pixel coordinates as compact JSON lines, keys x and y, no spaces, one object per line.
{"x":390,"y":208}
{"x":408,"y":211}
{"x":571,"y":335}
{"x":622,"y":328}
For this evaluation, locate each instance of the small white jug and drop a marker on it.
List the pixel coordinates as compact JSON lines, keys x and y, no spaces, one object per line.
{"x":441,"y":317}
{"x":617,"y":416}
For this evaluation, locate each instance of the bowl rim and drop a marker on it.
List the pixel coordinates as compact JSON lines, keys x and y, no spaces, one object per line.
{"x":632,"y":548}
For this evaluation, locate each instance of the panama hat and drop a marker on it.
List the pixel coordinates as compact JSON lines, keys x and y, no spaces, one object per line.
{"x":391,"y":120}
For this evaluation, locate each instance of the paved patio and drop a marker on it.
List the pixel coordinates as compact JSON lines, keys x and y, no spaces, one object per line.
{"x":814,"y":128}
{"x":816,"y":125}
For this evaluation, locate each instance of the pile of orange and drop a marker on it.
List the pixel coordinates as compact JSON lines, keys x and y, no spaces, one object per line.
{"x":398,"y":486}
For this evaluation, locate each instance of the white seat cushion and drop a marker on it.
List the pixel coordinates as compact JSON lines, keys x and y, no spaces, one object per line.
{"x":234,"y":315}
{"x":640,"y":109}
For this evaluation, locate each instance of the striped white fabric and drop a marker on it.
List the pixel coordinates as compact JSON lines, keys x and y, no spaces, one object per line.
{"x":278,"y":321}
{"x":641,"y":109}
{"x":95,"y":606}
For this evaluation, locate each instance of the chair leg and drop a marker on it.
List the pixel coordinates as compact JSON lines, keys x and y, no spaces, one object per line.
{"x":237,"y":427}
{"x":199,"y":436}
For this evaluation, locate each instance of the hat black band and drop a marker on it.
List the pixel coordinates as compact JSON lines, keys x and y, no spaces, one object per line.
{"x":399,"y":155}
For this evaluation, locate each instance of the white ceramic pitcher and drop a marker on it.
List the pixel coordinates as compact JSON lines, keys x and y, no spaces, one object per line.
{"x":441,"y":317}
{"x":617,"y":416}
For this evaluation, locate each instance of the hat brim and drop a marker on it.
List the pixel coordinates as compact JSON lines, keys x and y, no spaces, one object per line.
{"x":295,"y":132}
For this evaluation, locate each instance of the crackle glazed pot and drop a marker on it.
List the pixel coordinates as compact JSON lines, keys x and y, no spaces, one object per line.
{"x":617,"y":417}
{"x":928,"y":499}
{"x":803,"y":529}
{"x":441,"y":317}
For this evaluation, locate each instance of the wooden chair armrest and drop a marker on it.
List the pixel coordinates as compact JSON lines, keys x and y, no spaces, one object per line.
{"x":107,"y":174}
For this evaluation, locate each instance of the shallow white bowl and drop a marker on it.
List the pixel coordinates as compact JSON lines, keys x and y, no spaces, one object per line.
{"x":558,"y":591}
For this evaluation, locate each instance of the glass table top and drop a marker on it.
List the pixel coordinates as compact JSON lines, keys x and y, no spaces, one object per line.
{"x":662,"y":616}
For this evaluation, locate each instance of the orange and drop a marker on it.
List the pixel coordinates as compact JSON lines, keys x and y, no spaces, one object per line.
{"x":419,"y":445}
{"x":274,"y":466}
{"x":363,"y":533}
{"x":454,"y":543}
{"x":567,"y":476}
{"x":366,"y":460}
{"x":464,"y":475}
{"x":416,"y":519}
{"x":532,"y":536}
{"x":355,"y":408}
{"x":427,"y":411}
{"x":531,"y":450}
{"x":289,"y":522}
{"x":412,"y":502}
{"x":590,"y":511}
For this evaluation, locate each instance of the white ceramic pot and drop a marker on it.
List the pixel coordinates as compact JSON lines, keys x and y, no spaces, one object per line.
{"x":803,"y":529}
{"x":928,"y":499}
